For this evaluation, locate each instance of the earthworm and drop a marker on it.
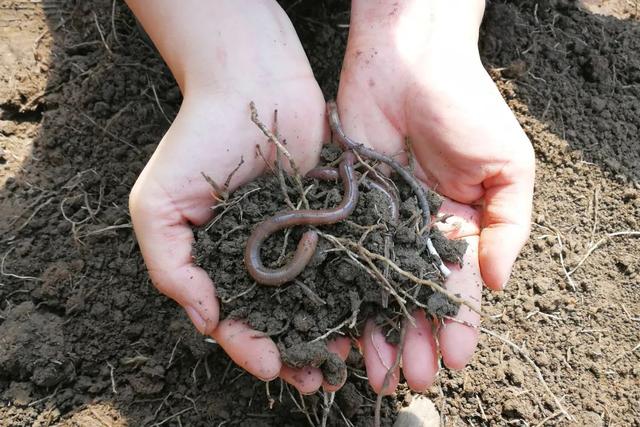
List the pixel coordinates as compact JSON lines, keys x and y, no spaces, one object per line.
{"x":328,"y":173}
{"x":307,"y":245}
{"x":421,"y":195}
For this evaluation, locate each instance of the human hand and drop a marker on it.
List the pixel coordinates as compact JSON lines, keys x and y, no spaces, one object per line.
{"x":223,"y":55}
{"x":412,"y":69}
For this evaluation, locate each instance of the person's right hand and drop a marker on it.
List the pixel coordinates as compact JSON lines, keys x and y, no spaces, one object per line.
{"x":223,"y":55}
{"x":412,"y":70}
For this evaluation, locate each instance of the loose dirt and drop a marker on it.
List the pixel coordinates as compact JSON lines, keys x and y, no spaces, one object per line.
{"x":336,"y":288}
{"x":85,"y":340}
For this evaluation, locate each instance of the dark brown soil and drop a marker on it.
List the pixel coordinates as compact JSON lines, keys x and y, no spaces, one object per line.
{"x":333,"y":288}
{"x":85,"y":340}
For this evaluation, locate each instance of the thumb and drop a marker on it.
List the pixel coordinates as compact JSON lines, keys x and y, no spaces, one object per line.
{"x":162,"y":227}
{"x":506,"y":220}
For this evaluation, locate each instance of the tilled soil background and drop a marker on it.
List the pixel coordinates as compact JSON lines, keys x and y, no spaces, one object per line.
{"x":85,"y":339}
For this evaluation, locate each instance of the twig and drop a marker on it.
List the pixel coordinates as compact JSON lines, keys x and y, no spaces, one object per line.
{"x":193,"y":372}
{"x":157,"y":411}
{"x":113,"y":381}
{"x":283,"y":184}
{"x":328,"y":399}
{"x":411,"y":158}
{"x":331,"y":331}
{"x":155,"y":95}
{"x":600,"y":242}
{"x":562,"y":264}
{"x":595,"y":215}
{"x":387,"y":377}
{"x":113,"y":22}
{"x":372,"y":270}
{"x":434,"y":286}
{"x":111,"y":134}
{"x":169,"y":418}
{"x":95,"y":19}
{"x":227,"y":181}
{"x":259,"y":153}
{"x":535,"y":368}
{"x":274,"y":140}
{"x":173,"y":353}
{"x":312,"y":295}
{"x":35,"y":402}
{"x":243,"y":293}
{"x":300,"y":407}
{"x":221,"y":193}
{"x":550,"y":417}
{"x":15,"y":276}
{"x":381,"y":277}
{"x":35,"y":212}
{"x":109,"y":228}
{"x":229,"y":206}
{"x":484,"y":416}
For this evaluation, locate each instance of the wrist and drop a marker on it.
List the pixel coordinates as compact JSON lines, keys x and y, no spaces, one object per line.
{"x":214,"y":47}
{"x":415,"y":28}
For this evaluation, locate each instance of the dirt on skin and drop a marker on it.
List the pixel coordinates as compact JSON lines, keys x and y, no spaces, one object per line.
{"x":333,"y":289}
{"x":86,"y":341}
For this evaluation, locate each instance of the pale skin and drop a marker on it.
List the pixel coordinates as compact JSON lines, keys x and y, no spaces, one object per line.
{"x":411,"y":69}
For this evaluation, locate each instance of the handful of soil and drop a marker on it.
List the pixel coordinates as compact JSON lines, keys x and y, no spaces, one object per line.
{"x":375,"y":263}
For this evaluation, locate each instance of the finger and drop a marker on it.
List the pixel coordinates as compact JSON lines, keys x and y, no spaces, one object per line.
{"x":506,"y":221}
{"x":379,"y":356}
{"x":420,"y":356}
{"x":462,"y":220}
{"x":458,"y":338}
{"x":257,"y":355}
{"x":307,"y":380}
{"x":165,"y":238}
{"x":340,"y":346}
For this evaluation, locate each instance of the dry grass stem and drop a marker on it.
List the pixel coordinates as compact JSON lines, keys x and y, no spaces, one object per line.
{"x":434,"y":286}
{"x":15,"y":276}
{"x":275,"y":141}
{"x":593,"y":247}
{"x":113,"y":380}
{"x":104,"y":41}
{"x":155,"y":96}
{"x":33,"y":214}
{"x":529,"y":360}
{"x":387,"y":377}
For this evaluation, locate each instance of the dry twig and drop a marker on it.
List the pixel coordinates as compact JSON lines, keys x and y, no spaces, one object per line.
{"x":275,"y":141}
{"x":15,"y":276}
{"x":387,"y":377}
{"x":535,"y":368}
{"x":434,"y":286}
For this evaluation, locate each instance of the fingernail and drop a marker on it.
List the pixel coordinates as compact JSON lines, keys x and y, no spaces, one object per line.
{"x":196,"y":319}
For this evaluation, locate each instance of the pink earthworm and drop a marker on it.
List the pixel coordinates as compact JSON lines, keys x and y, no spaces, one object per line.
{"x":325,"y":173}
{"x":307,"y":245}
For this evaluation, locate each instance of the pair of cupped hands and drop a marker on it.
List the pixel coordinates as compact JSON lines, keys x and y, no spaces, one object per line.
{"x":410,"y":71}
